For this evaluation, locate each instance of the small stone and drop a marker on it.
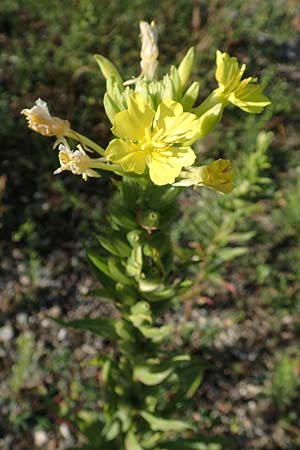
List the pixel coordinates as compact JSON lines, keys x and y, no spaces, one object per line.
{"x":24,"y":280}
{"x":55,"y":311}
{"x":40,"y":438}
{"x":22,"y":318}
{"x":62,"y":334}
{"x":65,"y":432}
{"x":6,"y":333}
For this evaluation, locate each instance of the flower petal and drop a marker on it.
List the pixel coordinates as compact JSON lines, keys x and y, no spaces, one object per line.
{"x":161,"y":172}
{"x":228,"y":73}
{"x":173,"y":125}
{"x":249,"y":98}
{"x":127,"y":155}
{"x":131,"y":123}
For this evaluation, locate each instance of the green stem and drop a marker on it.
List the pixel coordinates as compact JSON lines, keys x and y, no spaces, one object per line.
{"x":86,"y":142}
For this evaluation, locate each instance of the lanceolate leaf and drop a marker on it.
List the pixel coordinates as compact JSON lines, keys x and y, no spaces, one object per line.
{"x":131,"y":442}
{"x":100,"y":327}
{"x":159,"y":424}
{"x":150,"y":375}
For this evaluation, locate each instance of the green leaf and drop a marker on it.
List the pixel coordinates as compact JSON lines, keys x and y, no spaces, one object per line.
{"x":226,"y":254}
{"x":156,"y":334}
{"x":113,"y":244}
{"x":140,"y":314}
{"x":159,"y":424}
{"x":131,"y":442}
{"x":117,"y":273}
{"x":99,"y":262}
{"x":151,"y":375}
{"x":100,"y":327}
{"x":123,"y":217}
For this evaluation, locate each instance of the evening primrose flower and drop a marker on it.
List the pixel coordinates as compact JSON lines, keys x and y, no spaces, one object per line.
{"x":218,"y":176}
{"x":158,"y":140}
{"x":244,"y":94}
{"x":39,"y":119}
{"x":77,"y":162}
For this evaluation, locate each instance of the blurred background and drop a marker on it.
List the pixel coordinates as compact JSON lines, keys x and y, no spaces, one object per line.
{"x":243,"y":311}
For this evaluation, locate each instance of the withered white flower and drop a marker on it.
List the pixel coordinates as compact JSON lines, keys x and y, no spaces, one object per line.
{"x":77,"y":162}
{"x":149,"y":50}
{"x":39,"y":119}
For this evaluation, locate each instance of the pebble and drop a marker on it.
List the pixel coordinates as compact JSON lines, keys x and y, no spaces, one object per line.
{"x":40,"y":438}
{"x":22,"y":318}
{"x":6,"y":333}
{"x":62,"y":334}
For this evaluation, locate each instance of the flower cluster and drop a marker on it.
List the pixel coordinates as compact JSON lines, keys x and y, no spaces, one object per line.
{"x":155,"y":121}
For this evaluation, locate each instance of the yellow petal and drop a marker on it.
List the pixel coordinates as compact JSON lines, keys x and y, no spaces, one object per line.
{"x":228,"y":72}
{"x":179,"y":156}
{"x":131,"y":123}
{"x":249,"y":98}
{"x":218,"y":175}
{"x":161,"y":172}
{"x":130,"y":158}
{"x":174,"y":125}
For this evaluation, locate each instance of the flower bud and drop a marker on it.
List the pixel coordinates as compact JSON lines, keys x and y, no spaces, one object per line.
{"x":149,"y":50}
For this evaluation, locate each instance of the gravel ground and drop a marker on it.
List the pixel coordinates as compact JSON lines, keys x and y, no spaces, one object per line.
{"x":238,"y":340}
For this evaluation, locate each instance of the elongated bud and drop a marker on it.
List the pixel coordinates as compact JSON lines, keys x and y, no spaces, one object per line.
{"x":111,"y":108}
{"x":149,"y":50}
{"x":108,"y":69}
{"x":190,"y":95}
{"x":185,"y":67}
{"x":210,"y":119}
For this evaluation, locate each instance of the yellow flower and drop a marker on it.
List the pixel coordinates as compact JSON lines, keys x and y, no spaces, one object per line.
{"x":39,"y":119}
{"x":77,"y":162}
{"x":149,"y":50}
{"x":218,"y":176}
{"x":158,"y":140}
{"x":242,"y":93}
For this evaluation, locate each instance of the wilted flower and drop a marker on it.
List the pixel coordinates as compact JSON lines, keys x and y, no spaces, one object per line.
{"x":158,"y":140}
{"x":218,"y":175}
{"x":149,"y":50}
{"x":39,"y":119}
{"x":245,"y":94}
{"x":77,"y":162}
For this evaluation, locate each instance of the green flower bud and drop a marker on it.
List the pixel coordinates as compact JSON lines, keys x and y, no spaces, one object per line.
{"x":108,"y":69}
{"x":185,"y":67}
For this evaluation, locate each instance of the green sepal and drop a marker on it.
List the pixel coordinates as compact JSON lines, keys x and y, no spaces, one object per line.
{"x":110,"y":107}
{"x":190,"y":96}
{"x":210,"y":119}
{"x":175,"y":78}
{"x":169,"y":89}
{"x":186,"y":66}
{"x":108,"y":69}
